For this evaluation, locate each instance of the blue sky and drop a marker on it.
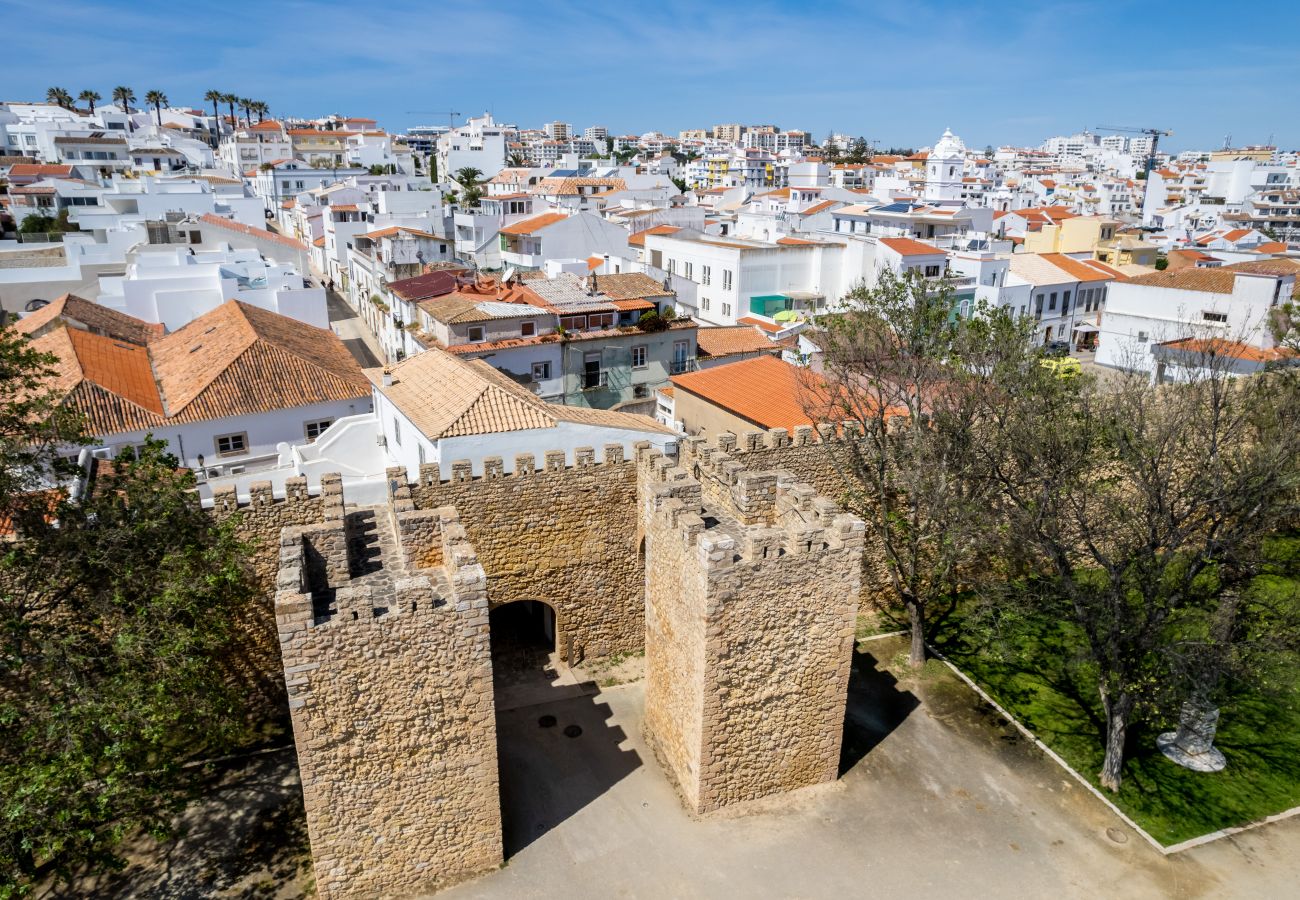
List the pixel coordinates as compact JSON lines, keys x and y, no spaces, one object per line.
{"x":898,"y":72}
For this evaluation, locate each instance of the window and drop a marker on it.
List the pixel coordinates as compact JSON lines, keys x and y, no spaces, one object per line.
{"x":397,"y":432}
{"x":528,"y":329}
{"x":541,"y":371}
{"x":313,"y":429}
{"x":726,"y":279}
{"x":931,"y":271}
{"x":420,"y":452}
{"x":726,"y":309}
{"x":687,"y":269}
{"x":706,"y":275}
{"x":1142,"y":337}
{"x":704,"y":303}
{"x":475,"y":334}
{"x":1051,"y":300}
{"x":1065,"y":303}
{"x":231,"y":444}
{"x":1038,"y":306}
{"x":1214,"y":316}
{"x":639,"y":357}
{"x":672,"y":266}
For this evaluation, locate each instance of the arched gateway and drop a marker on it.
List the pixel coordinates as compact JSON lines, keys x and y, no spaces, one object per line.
{"x":388,"y":660}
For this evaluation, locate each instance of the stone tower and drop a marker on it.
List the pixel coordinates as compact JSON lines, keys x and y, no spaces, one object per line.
{"x":752,"y":584}
{"x":943,"y":169}
{"x":389,"y":675}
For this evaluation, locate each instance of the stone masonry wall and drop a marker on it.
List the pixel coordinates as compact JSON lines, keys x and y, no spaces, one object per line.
{"x":390,"y":694}
{"x":757,"y":608}
{"x":564,"y":534}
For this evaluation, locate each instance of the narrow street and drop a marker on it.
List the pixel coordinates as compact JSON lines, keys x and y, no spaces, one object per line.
{"x":353,"y":332}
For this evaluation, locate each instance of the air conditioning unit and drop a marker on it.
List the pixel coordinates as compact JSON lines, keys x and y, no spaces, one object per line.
{"x":235,"y":470}
{"x":102,"y":453}
{"x":381,"y":440}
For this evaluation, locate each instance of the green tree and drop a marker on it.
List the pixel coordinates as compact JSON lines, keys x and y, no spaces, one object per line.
{"x":680,"y":184}
{"x":116,"y":621}
{"x":230,"y":100}
{"x":470,"y":180}
{"x":90,"y":98}
{"x":156,"y":99}
{"x":1139,"y":515}
{"x":59,"y":97}
{"x":247,"y":106}
{"x":35,"y":223}
{"x":123,"y":96}
{"x":912,"y":374}
{"x":261,"y":108}
{"x":215,"y":97}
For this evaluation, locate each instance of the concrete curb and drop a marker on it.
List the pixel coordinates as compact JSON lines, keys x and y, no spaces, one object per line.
{"x":1165,"y":851}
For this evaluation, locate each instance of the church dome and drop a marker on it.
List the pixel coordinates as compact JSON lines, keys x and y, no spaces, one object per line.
{"x":949,"y":146}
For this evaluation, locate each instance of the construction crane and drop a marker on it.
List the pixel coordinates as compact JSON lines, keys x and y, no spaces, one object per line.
{"x":1156,"y":134}
{"x":451,"y":115}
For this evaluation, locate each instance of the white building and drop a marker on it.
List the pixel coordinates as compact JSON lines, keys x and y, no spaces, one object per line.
{"x":228,"y":392}
{"x":480,"y":144}
{"x":173,"y":285}
{"x":1159,"y":322}
{"x":437,"y":408}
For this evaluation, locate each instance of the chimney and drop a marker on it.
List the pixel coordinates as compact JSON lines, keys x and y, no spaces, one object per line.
{"x":388,"y":377}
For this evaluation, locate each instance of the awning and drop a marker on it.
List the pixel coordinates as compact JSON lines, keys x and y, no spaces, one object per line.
{"x":1085,"y":328}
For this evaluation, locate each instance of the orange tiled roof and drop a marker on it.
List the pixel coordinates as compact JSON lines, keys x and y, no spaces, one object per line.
{"x":240,"y":360}
{"x":535,"y":224}
{"x":1272,"y":247}
{"x":818,"y":207}
{"x":638,"y":239}
{"x":395,"y":229}
{"x":89,"y":372}
{"x":909,"y":247}
{"x":1232,"y":349}
{"x":764,"y":390}
{"x":38,"y":170}
{"x":796,"y":242}
{"x":750,"y":321}
{"x":1079,"y":269}
{"x":730,"y":340}
{"x":90,"y":316}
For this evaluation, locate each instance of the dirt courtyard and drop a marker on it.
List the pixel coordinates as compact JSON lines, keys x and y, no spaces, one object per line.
{"x":938,"y":799}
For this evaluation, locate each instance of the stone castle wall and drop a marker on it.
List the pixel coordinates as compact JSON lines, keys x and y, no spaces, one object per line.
{"x":566,"y":534}
{"x":751,"y":602}
{"x":389,"y":679}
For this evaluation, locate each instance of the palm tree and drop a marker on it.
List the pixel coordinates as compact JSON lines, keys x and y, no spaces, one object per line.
{"x":123,"y":96}
{"x":518,"y":160}
{"x":231,"y":99}
{"x":59,"y":97}
{"x":90,"y":97}
{"x":156,"y":99}
{"x":261,"y":109}
{"x":471,"y":181}
{"x":214,"y":97}
{"x":247,"y":106}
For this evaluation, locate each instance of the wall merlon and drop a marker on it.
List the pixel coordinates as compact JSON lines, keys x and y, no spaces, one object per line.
{"x":493,"y":467}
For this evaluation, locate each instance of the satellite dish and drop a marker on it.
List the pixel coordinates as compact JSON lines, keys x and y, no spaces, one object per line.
{"x":509,"y":274}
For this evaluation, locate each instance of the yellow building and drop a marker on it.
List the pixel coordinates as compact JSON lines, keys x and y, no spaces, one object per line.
{"x":1261,"y":154}
{"x":1098,"y":235}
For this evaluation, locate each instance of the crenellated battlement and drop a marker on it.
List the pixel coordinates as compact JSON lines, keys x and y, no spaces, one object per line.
{"x":731,"y":515}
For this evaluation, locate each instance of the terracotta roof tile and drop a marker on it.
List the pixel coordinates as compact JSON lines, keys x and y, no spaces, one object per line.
{"x":909,"y":247}
{"x":241,"y":360}
{"x":729,"y":340}
{"x":535,"y":224}
{"x":764,"y":390}
{"x":444,"y":396}
{"x":90,"y":316}
{"x":638,"y":239}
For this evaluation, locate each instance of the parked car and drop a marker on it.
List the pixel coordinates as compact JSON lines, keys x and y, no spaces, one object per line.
{"x":1058,"y":348}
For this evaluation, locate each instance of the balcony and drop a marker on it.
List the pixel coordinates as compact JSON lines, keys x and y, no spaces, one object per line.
{"x":680,"y":366}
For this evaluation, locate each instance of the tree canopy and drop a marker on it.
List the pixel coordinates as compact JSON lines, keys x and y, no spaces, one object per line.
{"x":117,"y":611}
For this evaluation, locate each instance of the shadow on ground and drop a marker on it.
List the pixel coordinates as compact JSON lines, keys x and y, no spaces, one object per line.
{"x":246,"y":839}
{"x":556,"y":750}
{"x":875,"y":706}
